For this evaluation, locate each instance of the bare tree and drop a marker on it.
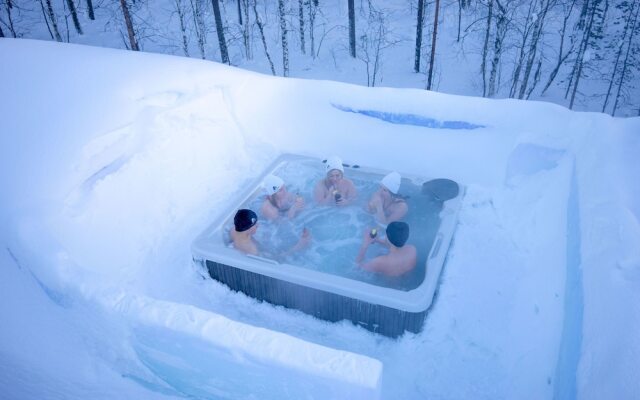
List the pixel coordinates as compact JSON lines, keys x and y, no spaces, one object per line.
{"x":129,"y":23}
{"x":9,"y":24}
{"x":433,"y":45}
{"x":301,"y":25}
{"x":373,"y":41}
{"x":224,"y":54}
{"x":533,"y":47}
{"x":197,"y":11}
{"x":283,"y":38}
{"x":485,"y":49}
{"x":501,"y":31}
{"x":74,"y":16}
{"x":626,"y":63}
{"x":246,"y":31}
{"x":313,"y":8}
{"x":264,"y":41}
{"x":90,"y":10}
{"x":352,"y":28}
{"x":627,"y":10}
{"x":51,"y":16}
{"x":524,"y":36}
{"x":595,"y":13}
{"x":419,"y":23}
{"x":562,"y":56}
{"x":181,"y":11}
{"x":239,"y":12}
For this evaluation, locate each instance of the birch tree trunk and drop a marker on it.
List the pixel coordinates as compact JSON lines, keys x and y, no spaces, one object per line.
{"x":180,"y":9}
{"x":627,"y":24}
{"x":74,"y":16}
{"x":264,"y":40}
{"x":199,"y":26}
{"x":312,"y":18}
{"x":521,"y":55}
{"x":433,"y":45}
{"x":485,"y":49}
{"x":419,"y":23}
{"x":54,"y":21}
{"x":283,"y":38}
{"x":533,"y":47}
{"x":352,"y":28}
{"x":90,"y":10}
{"x":577,"y":74}
{"x":224,"y":54}
{"x":501,"y":26}
{"x":301,"y":25}
{"x":625,"y":64}
{"x":127,"y":20}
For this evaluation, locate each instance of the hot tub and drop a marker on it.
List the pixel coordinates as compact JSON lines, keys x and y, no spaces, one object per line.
{"x":333,"y":289}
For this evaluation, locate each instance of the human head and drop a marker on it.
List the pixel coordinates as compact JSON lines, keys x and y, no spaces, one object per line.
{"x":391,"y":181}
{"x":335,"y":170}
{"x":244,"y":220}
{"x":334,"y":162}
{"x":272,"y":184}
{"x":397,"y":233}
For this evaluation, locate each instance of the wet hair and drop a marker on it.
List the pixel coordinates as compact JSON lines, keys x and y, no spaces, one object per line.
{"x":244,"y":220}
{"x":398,"y":233}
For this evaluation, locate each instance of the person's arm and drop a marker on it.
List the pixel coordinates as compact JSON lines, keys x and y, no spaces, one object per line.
{"x":305,"y":239}
{"x":269,"y":212}
{"x":375,"y":207}
{"x":348,"y":193}
{"x":321,"y":194}
{"x":367,"y":240}
{"x":298,"y":205}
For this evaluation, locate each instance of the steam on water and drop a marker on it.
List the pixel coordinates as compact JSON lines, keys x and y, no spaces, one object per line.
{"x":337,"y":231}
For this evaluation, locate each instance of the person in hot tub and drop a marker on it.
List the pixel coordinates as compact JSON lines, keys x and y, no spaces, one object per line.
{"x":245,"y":225}
{"x":386,"y":204}
{"x":278,"y":201}
{"x":335,"y":189}
{"x":401,"y":258}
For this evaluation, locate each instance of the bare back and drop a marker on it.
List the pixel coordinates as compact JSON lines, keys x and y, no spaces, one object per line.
{"x":400,"y":260}
{"x":244,"y":243}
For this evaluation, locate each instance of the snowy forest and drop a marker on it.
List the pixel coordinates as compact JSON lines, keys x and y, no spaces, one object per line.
{"x":583,"y":54}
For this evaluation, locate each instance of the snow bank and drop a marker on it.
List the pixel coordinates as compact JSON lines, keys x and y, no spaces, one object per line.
{"x":109,"y":173}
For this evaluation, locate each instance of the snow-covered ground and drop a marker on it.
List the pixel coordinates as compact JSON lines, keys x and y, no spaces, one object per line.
{"x":113,"y":161}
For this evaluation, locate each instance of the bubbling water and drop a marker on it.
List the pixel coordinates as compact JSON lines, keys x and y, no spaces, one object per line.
{"x":337,"y":231}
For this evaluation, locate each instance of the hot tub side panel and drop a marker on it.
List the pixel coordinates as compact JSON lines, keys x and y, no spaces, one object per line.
{"x":321,"y":304}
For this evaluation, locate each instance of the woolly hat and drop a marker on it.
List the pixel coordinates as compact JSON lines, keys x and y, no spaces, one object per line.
{"x":334,"y":162}
{"x":392,"y":182}
{"x":398,"y":233}
{"x":272,"y":184}
{"x":244,"y":220}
